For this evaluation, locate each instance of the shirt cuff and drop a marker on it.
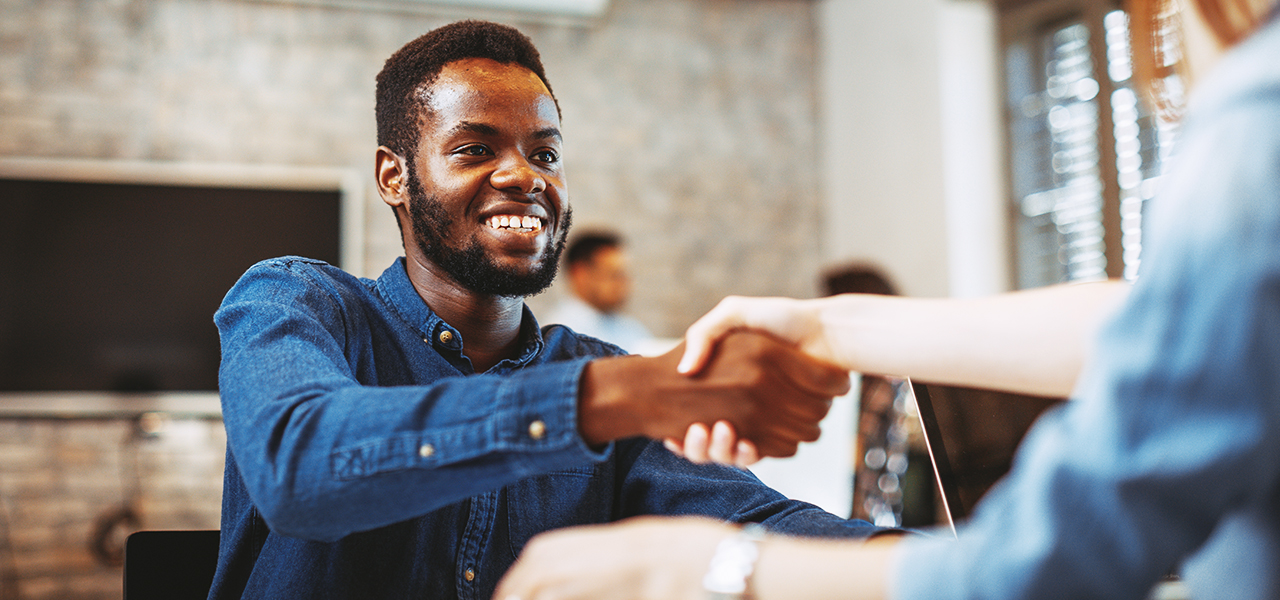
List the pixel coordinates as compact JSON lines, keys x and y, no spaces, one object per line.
{"x":540,"y":417}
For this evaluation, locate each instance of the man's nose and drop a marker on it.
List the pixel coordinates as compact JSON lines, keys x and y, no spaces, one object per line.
{"x":518,"y":175}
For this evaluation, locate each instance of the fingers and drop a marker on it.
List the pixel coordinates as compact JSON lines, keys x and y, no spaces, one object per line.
{"x":812,"y":375}
{"x":697,"y":442}
{"x":722,"y":446}
{"x":702,"y":336}
{"x":782,"y":395}
{"x":643,"y":558}
{"x":747,"y":454}
{"x":724,"y":443}
{"x":772,"y":393}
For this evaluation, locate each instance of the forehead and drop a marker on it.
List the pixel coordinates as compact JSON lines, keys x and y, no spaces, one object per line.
{"x":610,"y":256}
{"x":492,"y":92}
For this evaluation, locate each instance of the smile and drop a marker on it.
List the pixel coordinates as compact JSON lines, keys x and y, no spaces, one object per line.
{"x":525,"y":224}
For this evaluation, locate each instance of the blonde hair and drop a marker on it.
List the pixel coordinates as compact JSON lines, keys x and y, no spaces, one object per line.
{"x":1157,"y":39}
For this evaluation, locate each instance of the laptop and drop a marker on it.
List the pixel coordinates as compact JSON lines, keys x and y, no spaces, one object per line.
{"x":971,"y":435}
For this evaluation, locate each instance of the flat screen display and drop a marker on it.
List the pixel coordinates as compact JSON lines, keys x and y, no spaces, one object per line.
{"x":972,"y":436}
{"x":112,"y":287}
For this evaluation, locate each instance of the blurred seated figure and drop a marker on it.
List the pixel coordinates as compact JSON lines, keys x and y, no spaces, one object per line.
{"x":857,"y":278}
{"x":600,"y":285}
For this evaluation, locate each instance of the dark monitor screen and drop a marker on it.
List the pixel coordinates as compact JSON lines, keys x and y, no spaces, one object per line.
{"x":112,"y":287}
{"x":972,"y":436}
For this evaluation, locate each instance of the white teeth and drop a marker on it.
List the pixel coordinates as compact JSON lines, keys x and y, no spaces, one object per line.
{"x":515,"y":222}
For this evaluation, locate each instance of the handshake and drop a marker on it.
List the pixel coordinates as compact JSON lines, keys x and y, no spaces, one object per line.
{"x":764,"y":392}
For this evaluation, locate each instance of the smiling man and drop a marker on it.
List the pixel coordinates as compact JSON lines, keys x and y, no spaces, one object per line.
{"x":406,"y":436}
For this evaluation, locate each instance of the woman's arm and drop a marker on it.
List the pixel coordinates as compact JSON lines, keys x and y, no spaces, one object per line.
{"x":664,"y":558}
{"x":1033,"y":342}
{"x":1029,"y":342}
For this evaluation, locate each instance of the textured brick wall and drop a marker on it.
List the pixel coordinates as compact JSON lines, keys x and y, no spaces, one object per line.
{"x":64,"y":486}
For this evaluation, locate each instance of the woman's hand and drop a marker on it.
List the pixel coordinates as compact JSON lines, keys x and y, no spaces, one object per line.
{"x":644,"y":558}
{"x":719,"y":444}
{"x":666,"y":558}
{"x":796,"y":321}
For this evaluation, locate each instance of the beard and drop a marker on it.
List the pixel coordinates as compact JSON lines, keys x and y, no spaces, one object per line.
{"x":470,"y":265}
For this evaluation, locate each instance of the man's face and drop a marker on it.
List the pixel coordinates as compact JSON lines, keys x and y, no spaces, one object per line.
{"x":487,"y":197}
{"x":604,"y":282}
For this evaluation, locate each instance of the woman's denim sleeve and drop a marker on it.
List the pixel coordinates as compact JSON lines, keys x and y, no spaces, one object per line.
{"x":1169,"y":456}
{"x":330,"y":441}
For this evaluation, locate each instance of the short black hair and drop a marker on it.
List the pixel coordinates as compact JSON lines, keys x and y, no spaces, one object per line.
{"x":584,"y":246}
{"x":858,"y":278}
{"x":399,"y":100}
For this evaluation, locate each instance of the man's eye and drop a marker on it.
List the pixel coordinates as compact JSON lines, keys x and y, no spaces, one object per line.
{"x":547,"y":156}
{"x":474,"y":150}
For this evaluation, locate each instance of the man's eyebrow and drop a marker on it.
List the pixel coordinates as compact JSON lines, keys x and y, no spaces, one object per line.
{"x":548,"y":133}
{"x":486,"y":129}
{"x":472,"y":127}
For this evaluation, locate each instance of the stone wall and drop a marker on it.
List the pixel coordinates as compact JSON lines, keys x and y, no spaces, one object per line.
{"x":71,"y":490}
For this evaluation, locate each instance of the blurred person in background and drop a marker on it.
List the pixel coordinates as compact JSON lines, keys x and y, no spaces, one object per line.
{"x":599,"y":276}
{"x":1168,"y":456}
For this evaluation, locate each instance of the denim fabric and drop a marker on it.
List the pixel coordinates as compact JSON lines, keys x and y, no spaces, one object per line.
{"x":1169,"y":456}
{"x":366,"y":459}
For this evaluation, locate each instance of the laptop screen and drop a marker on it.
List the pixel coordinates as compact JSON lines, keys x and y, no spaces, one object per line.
{"x":971,"y":435}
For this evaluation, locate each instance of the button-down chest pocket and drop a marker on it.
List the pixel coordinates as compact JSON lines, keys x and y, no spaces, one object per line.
{"x":577,"y":496}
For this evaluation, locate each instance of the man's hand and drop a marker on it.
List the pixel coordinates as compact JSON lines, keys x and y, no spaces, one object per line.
{"x":773,"y":394}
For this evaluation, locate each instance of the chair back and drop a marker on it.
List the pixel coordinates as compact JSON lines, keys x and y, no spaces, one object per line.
{"x":170,"y":564}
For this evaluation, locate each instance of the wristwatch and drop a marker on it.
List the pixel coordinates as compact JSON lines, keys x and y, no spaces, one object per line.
{"x":733,"y":563}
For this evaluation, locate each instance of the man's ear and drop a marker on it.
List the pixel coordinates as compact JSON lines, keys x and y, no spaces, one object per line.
{"x":391,"y":175}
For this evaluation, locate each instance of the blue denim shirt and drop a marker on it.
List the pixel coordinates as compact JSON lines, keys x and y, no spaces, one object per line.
{"x":366,"y":459}
{"x":1169,"y":454}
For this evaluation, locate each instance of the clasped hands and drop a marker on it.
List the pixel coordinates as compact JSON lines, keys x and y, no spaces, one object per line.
{"x":760,"y":368}
{"x":754,"y":368}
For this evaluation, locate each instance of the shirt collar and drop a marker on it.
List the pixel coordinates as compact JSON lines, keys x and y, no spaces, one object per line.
{"x":397,"y":291}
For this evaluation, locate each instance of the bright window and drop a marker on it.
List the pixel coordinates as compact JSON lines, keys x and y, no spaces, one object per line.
{"x":1084,"y":152}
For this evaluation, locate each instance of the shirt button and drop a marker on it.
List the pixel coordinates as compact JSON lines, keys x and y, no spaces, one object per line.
{"x":470,"y":575}
{"x":537,"y":429}
{"x":446,"y":336}
{"x":426,"y":450}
